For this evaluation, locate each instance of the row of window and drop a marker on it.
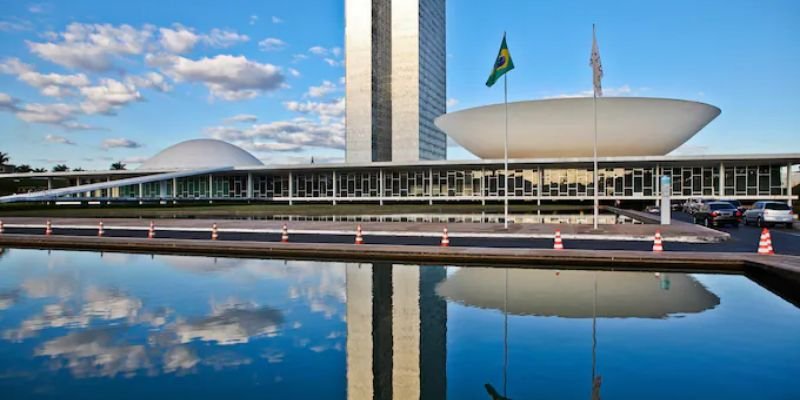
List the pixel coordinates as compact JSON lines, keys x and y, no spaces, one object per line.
{"x":765,"y":180}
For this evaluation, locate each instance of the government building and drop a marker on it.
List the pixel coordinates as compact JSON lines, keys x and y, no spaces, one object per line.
{"x":396,"y":134}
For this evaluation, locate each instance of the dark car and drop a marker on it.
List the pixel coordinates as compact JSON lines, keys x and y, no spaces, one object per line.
{"x":737,"y":204}
{"x":717,"y":213}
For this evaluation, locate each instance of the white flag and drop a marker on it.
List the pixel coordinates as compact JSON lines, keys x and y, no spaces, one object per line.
{"x":597,"y":67}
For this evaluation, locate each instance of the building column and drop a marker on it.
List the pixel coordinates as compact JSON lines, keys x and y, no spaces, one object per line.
{"x":380,"y":186}
{"x":721,"y":180}
{"x":210,"y":188}
{"x":291,"y":188}
{"x":141,"y":192}
{"x":657,"y":185}
{"x":50,"y":183}
{"x":249,"y":186}
{"x":539,"y":191}
{"x":789,"y":184}
{"x":78,"y":183}
{"x":483,"y":186}
{"x":334,"y":187}
{"x":430,"y":186}
{"x":174,"y":190}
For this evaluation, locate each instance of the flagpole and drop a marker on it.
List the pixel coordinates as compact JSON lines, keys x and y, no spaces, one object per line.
{"x":505,"y":176}
{"x":596,"y":174}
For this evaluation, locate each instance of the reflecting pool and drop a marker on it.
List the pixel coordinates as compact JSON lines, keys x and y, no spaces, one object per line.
{"x":91,"y":325}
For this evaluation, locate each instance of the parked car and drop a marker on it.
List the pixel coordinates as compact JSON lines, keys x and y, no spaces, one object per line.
{"x":769,"y":213}
{"x":717,"y":213}
{"x":653,"y":209}
{"x":693,"y":205}
{"x":737,"y":204}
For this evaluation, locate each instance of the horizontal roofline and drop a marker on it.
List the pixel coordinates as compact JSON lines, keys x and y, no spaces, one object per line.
{"x":793,"y":158}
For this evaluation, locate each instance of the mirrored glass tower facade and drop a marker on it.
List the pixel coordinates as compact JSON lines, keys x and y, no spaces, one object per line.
{"x":396,"y":79}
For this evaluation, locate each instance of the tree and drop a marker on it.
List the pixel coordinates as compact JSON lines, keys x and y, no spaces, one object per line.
{"x":79,"y":169}
{"x":40,"y":170}
{"x":118,"y":166}
{"x":60,"y":168}
{"x":23,"y":168}
{"x":3,"y":158}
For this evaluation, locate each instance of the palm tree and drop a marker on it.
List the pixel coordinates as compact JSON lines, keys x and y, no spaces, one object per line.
{"x":60,"y":168}
{"x":39,"y":170}
{"x":3,"y":158}
{"x":23,"y":168}
{"x":79,"y":169}
{"x":118,"y":166}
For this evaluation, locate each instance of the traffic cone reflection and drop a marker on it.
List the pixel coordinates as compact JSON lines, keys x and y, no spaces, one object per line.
{"x":100,"y":230}
{"x":151,"y":233}
{"x":557,"y":243}
{"x":765,"y":243}
{"x":359,"y":237}
{"x":445,"y":238}
{"x":214,"y":234}
{"x":285,"y":234}
{"x":1,"y":227}
{"x":657,"y":245}
{"x":48,"y":228}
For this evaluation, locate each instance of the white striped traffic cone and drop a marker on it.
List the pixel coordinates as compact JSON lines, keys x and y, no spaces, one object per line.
{"x":151,"y":233}
{"x":359,"y":236}
{"x":445,"y":238}
{"x":285,"y":234}
{"x":100,"y":231}
{"x":765,"y":243}
{"x":214,"y":234}
{"x":48,"y":228}
{"x":557,"y":243}
{"x":657,"y":242}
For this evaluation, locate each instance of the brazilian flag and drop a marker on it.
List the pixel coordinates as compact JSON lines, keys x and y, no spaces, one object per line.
{"x":502,"y":64}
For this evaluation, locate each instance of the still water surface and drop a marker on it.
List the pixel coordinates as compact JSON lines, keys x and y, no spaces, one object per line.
{"x":86,"y":325}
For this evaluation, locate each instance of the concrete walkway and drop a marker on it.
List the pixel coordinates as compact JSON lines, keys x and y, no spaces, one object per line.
{"x":677,"y":232}
{"x":786,"y":266}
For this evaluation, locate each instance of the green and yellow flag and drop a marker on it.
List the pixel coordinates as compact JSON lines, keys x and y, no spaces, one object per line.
{"x":502,"y":64}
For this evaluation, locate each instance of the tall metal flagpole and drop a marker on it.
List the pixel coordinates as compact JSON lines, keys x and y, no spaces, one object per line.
{"x":505,"y":176}
{"x":596,"y":174}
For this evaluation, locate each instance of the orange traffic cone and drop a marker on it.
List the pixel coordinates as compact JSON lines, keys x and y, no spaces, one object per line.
{"x":100,"y":231}
{"x":151,"y":233}
{"x":445,"y":238}
{"x":557,"y":243}
{"x":48,"y":228}
{"x":657,"y":245}
{"x":285,"y":234}
{"x":359,"y":237}
{"x":214,"y":234}
{"x":765,"y":244}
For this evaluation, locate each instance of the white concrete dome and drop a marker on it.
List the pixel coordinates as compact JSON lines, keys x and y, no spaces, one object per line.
{"x":555,"y":128}
{"x":200,"y":153}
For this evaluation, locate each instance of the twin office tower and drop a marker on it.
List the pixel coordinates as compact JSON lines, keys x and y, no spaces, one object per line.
{"x":396,"y":80}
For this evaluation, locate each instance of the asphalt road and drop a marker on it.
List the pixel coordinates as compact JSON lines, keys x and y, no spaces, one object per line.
{"x":743,"y":239}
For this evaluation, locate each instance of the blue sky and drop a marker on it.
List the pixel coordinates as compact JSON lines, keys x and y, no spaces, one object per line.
{"x":88,"y":83}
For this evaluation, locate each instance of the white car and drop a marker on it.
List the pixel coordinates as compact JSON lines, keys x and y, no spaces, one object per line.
{"x":769,"y":213}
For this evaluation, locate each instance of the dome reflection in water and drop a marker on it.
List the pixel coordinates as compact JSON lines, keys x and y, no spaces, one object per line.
{"x":130,"y":326}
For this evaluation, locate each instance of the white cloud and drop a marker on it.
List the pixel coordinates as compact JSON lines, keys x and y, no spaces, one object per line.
{"x":56,"y":113}
{"x":37,"y":8}
{"x":319,"y":51}
{"x":54,"y":85}
{"x":223,"y":38}
{"x":7,"y":102}
{"x":178,"y":40}
{"x":14,"y":24}
{"x":227,"y":77}
{"x":321,"y":127}
{"x":271,"y":44}
{"x":293,"y":72}
{"x":241,"y":118}
{"x":93,"y":46}
{"x":333,"y":63}
{"x":253,"y":19}
{"x":58,"y":140}
{"x":298,"y":57}
{"x":452,"y":102}
{"x":276,"y":20}
{"x":107,"y":96}
{"x":120,"y":143}
{"x":150,"y":80}
{"x":325,"y":110}
{"x":134,"y":160}
{"x":321,"y":90}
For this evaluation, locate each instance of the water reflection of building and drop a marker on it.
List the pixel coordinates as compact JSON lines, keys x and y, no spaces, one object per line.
{"x":396,"y":332}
